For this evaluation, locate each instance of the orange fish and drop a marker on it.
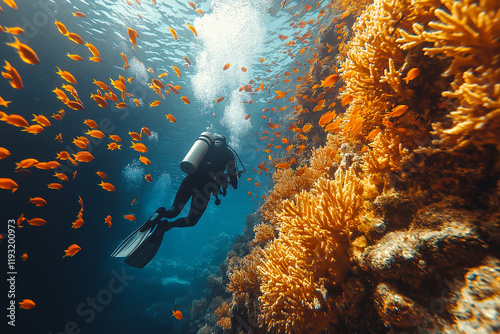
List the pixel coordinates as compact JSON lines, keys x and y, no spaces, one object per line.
{"x":4,"y":153}
{"x":346,"y":100}
{"x":95,"y":133}
{"x":93,"y":49}
{"x":219,"y":99}
{"x":330,"y":80}
{"x":148,"y":177}
{"x":130,"y":217}
{"x":162,"y":75}
{"x":26,"y":303}
{"x":26,"y":163}
{"x":77,"y":223}
{"x":8,"y":184}
{"x":62,"y":28}
{"x":139,"y":147}
{"x":192,"y":4}
{"x":4,"y":103}
{"x":187,"y":60}
{"x":412,"y":74}
{"x":199,"y":11}
{"x":177,"y":314}
{"x":172,"y":31}
{"x":185,"y":100}
{"x":75,"y":38}
{"x":83,"y":156}
{"x":24,"y":256}
{"x":146,"y":131}
{"x":176,"y":71}
{"x":114,"y":146}
{"x":398,"y":111}
{"x":34,"y":129}
{"x":38,"y":201}
{"x":74,"y":56}
{"x":66,"y":76}
{"x":95,"y":59}
{"x":107,"y":186}
{"x":135,"y":135}
{"x":121,"y":105}
{"x":102,"y":175}
{"x":133,"y":201}
{"x":133,"y":37}
{"x":12,"y":75}
{"x":226,"y":66}
{"x":78,"y":14}
{"x":37,"y":221}
{"x":171,"y":118}
{"x":144,"y":160}
{"x":154,"y":104}
{"x":115,"y":137}
{"x":137,"y":103}
{"x":90,"y":123}
{"x":280,"y":94}
{"x":61,"y":176}
{"x":55,"y":186}
{"x":72,"y":250}
{"x":25,"y":52}
{"x":13,"y":30}
{"x":107,"y":220}
{"x":100,"y":101}
{"x":193,"y":30}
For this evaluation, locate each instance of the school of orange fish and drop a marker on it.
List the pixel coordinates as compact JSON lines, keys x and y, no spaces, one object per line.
{"x":293,"y":137}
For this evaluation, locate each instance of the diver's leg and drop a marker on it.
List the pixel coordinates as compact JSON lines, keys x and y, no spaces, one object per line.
{"x":184,"y":192}
{"x":199,"y":203}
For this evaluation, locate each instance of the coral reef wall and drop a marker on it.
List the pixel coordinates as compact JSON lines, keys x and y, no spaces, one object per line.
{"x":389,"y":219}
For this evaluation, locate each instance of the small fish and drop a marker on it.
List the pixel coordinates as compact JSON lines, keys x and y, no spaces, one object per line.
{"x":185,"y":100}
{"x":4,"y":103}
{"x":27,"y":303}
{"x":148,"y":177}
{"x":193,"y":30}
{"x":133,"y":37}
{"x":398,"y":111}
{"x":75,"y":38}
{"x":78,"y":14}
{"x":24,"y":256}
{"x":154,"y":104}
{"x":95,"y":133}
{"x":12,"y":75}
{"x":83,"y":156}
{"x":173,"y":32}
{"x":13,"y":30}
{"x":199,"y":11}
{"x":90,"y":123}
{"x":62,"y":28}
{"x":74,"y":56}
{"x":192,"y":5}
{"x":66,"y":76}
{"x":412,"y":74}
{"x":177,"y":71}
{"x":61,"y":176}
{"x":219,"y":99}
{"x":146,"y":131}
{"x":107,"y":186}
{"x":177,"y":314}
{"x":25,"y":52}
{"x":130,"y":217}
{"x":38,"y":201}
{"x":37,"y":221}
{"x":107,"y":220}
{"x":330,"y":80}
{"x":226,"y":66}
{"x":171,"y":118}
{"x":93,"y":49}
{"x":54,"y":186}
{"x":4,"y":153}
{"x":144,"y":160}
{"x":72,"y":250}
{"x":115,"y":137}
{"x":77,"y":223}
{"x":139,"y":147}
{"x":9,"y":184}
{"x":114,"y":146}
{"x":102,"y":175}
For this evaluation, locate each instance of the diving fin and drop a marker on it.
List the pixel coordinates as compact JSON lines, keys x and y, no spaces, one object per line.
{"x":138,"y":237}
{"x":146,"y":250}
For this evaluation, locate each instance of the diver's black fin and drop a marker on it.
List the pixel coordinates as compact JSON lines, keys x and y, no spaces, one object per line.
{"x":146,"y":250}
{"x":136,"y":238}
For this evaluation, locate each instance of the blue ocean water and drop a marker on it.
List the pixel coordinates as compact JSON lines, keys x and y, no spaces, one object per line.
{"x":92,"y":292}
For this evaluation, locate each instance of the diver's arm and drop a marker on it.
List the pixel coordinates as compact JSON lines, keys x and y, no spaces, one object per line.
{"x":232,"y":172}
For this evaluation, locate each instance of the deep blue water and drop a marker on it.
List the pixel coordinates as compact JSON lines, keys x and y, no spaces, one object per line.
{"x":67,"y":289}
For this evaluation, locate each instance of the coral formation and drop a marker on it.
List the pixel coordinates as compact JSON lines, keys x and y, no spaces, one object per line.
{"x":387,"y":219}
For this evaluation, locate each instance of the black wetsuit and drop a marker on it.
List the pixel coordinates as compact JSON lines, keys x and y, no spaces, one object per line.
{"x":208,"y":179}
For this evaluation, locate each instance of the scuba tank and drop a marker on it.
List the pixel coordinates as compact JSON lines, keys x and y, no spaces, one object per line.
{"x":197,"y":152}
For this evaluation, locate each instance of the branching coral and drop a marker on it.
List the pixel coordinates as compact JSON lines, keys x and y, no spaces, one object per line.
{"x":310,"y":254}
{"x":263,"y":233}
{"x":468,"y":32}
{"x":245,"y":278}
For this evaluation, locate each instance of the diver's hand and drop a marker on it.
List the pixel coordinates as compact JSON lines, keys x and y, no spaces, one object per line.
{"x":161,"y":212}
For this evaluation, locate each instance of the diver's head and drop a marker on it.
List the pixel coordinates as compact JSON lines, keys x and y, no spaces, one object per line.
{"x":220,"y":138}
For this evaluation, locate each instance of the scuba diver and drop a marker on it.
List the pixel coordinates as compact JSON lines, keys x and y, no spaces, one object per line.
{"x":204,"y":164}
